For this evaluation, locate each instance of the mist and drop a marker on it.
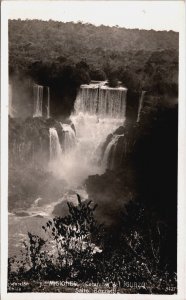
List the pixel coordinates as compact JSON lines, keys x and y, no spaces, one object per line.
{"x":21,"y":97}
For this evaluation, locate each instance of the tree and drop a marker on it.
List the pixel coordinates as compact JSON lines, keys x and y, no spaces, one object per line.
{"x":97,"y":74}
{"x":69,"y":250}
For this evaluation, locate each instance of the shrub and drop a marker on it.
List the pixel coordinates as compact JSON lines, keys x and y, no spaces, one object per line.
{"x":79,"y":249}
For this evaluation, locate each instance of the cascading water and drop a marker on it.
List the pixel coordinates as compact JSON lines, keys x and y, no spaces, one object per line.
{"x":140,"y":105}
{"x":69,"y":138}
{"x":87,"y":99}
{"x":99,"y":111}
{"x":38,"y":100}
{"x":41,"y":101}
{"x":112,"y":102}
{"x":48,"y":102}
{"x":55,"y":147}
{"x":74,"y":154}
{"x":102,"y":101}
{"x":110,"y":155}
{"x":108,"y":149}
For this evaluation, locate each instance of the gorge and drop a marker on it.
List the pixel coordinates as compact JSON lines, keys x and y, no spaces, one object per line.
{"x":98,"y":111}
{"x":69,"y":149}
{"x":97,"y":137}
{"x":51,"y":160}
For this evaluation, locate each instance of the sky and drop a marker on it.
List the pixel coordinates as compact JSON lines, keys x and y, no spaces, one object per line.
{"x":157,"y":15}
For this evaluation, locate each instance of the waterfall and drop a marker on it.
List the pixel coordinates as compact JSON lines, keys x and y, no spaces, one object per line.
{"x":99,"y":111}
{"x":87,"y":99}
{"x":55,"y":147}
{"x":38,"y":100}
{"x":140,"y":105}
{"x":69,"y":139}
{"x":110,"y":153}
{"x":48,"y":102}
{"x":41,"y":101}
{"x":102,"y":101}
{"x":112,"y":102}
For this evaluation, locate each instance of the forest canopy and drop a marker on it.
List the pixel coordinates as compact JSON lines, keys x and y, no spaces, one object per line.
{"x":140,"y":59}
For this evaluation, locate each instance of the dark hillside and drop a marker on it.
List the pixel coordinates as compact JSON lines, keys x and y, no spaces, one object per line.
{"x":97,"y":52}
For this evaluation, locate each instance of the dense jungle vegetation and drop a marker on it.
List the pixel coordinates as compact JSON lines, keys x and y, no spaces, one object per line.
{"x":53,"y":52}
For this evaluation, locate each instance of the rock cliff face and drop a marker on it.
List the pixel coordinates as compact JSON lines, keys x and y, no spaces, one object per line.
{"x":42,"y":99}
{"x":29,"y":141}
{"x":29,"y":156}
{"x":120,"y":143}
{"x":144,"y":167}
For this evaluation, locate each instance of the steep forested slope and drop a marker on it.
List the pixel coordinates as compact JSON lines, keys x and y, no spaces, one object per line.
{"x":139,"y":58}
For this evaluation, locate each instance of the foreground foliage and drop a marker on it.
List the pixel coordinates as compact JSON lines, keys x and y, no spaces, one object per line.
{"x":78,"y":249}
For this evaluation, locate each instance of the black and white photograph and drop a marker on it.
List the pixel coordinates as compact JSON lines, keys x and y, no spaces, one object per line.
{"x":92,"y":147}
